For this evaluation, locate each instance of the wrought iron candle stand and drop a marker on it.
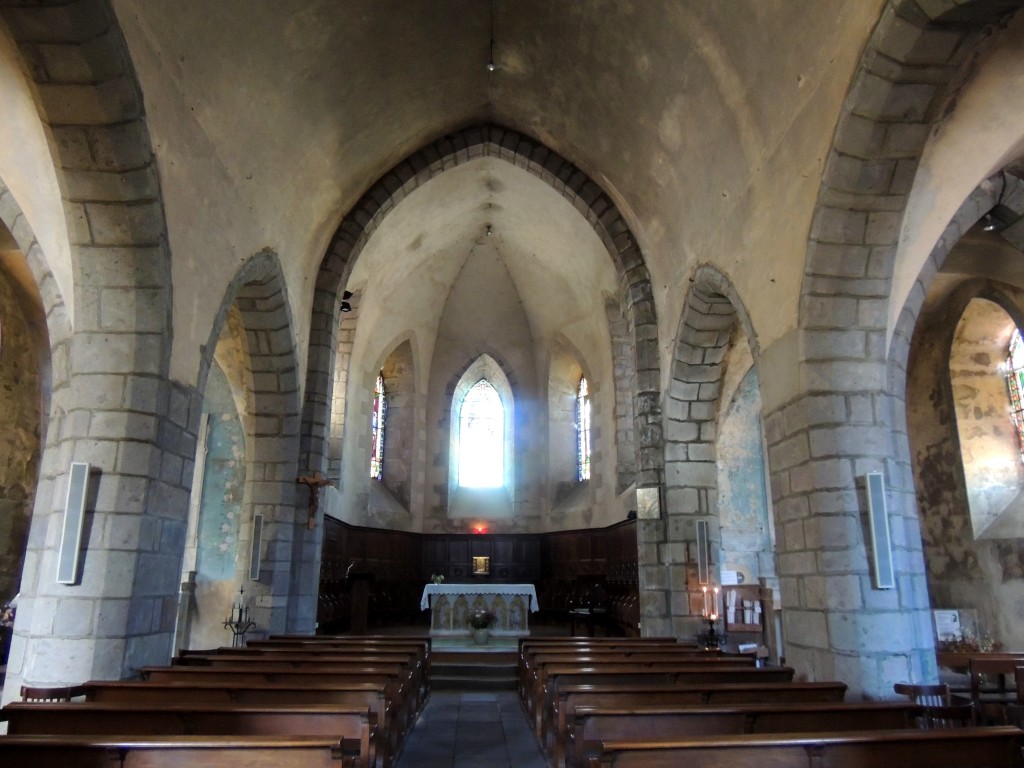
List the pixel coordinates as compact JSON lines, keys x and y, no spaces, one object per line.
{"x":712,"y":638}
{"x":239,"y":622}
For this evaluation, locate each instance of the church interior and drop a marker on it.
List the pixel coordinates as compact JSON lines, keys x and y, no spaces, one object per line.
{"x":665,"y":296}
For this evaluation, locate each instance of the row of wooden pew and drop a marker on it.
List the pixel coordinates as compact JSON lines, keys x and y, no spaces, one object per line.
{"x":654,"y":702}
{"x":287,"y":702}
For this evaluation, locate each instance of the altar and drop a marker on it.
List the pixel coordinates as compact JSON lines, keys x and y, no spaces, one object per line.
{"x":451,"y":605}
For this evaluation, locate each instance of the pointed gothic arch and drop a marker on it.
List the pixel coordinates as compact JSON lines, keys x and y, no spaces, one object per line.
{"x":640,"y":375}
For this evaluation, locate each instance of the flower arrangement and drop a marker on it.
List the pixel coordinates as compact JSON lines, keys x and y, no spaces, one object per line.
{"x":437,"y":578}
{"x":481,"y":619}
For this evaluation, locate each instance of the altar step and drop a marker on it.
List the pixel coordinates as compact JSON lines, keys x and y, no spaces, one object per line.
{"x":473,"y":670}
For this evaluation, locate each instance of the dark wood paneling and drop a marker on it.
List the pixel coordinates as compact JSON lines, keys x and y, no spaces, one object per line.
{"x":564,"y":565}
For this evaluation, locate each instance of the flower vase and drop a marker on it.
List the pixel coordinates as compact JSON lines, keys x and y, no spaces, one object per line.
{"x":481,"y":636}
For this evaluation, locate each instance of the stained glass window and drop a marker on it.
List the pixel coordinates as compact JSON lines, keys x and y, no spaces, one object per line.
{"x":481,"y":438}
{"x":380,"y":410}
{"x":1015,"y":381}
{"x":583,"y":430}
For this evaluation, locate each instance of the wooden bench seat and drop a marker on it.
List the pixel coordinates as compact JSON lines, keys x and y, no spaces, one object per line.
{"x":400,"y":691}
{"x":355,"y":728}
{"x":550,"y":678}
{"x":998,"y":747}
{"x":172,"y":752}
{"x":416,"y":673}
{"x":531,"y":664}
{"x":572,"y":697}
{"x":660,"y":723}
{"x":391,"y":729}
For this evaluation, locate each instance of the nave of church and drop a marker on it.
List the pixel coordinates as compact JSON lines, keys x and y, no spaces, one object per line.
{"x":299,"y":294}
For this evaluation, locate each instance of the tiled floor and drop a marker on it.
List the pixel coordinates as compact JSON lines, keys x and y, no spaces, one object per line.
{"x":471,"y":730}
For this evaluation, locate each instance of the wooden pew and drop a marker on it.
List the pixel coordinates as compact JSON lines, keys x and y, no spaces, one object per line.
{"x":422,"y":645}
{"x":532,"y":660}
{"x":572,"y":697}
{"x":552,"y":676}
{"x":354,"y":728}
{"x":399,"y":690}
{"x":660,"y":723}
{"x":361,"y":694}
{"x":997,"y":747}
{"x":416,"y":673}
{"x":172,"y":752}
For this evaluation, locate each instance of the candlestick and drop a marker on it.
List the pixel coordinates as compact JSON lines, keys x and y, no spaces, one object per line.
{"x":716,"y":607}
{"x":705,"y":611}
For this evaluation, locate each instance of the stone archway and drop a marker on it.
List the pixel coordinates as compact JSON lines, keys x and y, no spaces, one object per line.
{"x":116,"y":362}
{"x":288,"y":578}
{"x":640,"y":377}
{"x":847,"y":419}
{"x":712,"y":320}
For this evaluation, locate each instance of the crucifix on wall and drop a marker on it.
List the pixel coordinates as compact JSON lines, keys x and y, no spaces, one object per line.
{"x":314,"y":482}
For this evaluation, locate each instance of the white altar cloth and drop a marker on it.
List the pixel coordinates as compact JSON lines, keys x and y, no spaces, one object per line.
{"x":451,"y":606}
{"x":479,"y":589}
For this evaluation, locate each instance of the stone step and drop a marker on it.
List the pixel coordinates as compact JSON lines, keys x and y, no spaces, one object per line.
{"x":473,"y":671}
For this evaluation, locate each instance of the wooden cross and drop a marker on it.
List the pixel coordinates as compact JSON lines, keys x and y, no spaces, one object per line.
{"x":314,"y":482}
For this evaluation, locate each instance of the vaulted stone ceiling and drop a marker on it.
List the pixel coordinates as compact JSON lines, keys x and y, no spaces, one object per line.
{"x":269,"y":124}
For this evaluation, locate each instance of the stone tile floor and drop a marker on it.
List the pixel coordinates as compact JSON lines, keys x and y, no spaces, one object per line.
{"x":471,"y":730}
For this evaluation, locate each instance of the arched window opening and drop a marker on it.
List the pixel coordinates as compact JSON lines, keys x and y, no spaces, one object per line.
{"x":380,"y":410}
{"x":1015,"y":383}
{"x":583,"y":430}
{"x":481,"y":461}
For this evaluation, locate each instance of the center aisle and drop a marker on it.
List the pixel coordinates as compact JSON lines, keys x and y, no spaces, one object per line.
{"x":471,"y":730}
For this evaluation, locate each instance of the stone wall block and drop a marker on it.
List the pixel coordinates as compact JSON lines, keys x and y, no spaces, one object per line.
{"x":903,"y":176}
{"x":852,"y":440}
{"x":814,"y":410}
{"x":107,"y":574}
{"x":113,"y":267}
{"x":834,"y":593}
{"x":792,"y":508}
{"x":828,"y":312}
{"x":879,"y":599}
{"x":74,"y":618}
{"x":65,"y":23}
{"x":883,"y":228}
{"x":833,"y":225}
{"x":842,"y":561}
{"x":850,"y":376}
{"x":122,"y":147}
{"x":797,"y":563}
{"x":79,"y":231}
{"x":905,"y":139}
{"x":112,"y":101}
{"x":113,"y":187}
{"x":842,"y":260}
{"x":792,"y":536}
{"x":823,"y":473}
{"x":831,"y":286}
{"x":72,"y":143}
{"x":789,"y":453}
{"x":809,"y":626}
{"x":864,"y":177}
{"x":835,"y":502}
{"x":125,"y":310}
{"x":819,"y":345}
{"x":859,"y":137}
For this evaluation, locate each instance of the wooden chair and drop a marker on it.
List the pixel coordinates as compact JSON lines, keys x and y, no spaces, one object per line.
{"x":950,"y":716}
{"x":937,"y":695}
{"x":934,"y":697}
{"x":51,"y":693}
